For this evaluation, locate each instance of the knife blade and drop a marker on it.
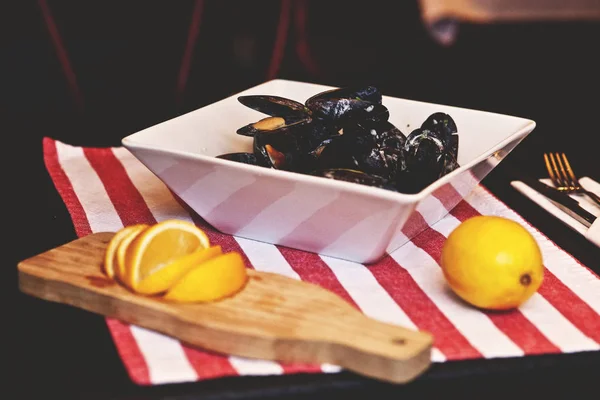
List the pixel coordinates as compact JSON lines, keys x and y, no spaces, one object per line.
{"x":562,"y":201}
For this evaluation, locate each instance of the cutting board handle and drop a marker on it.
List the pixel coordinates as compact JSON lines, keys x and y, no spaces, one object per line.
{"x":274,"y":317}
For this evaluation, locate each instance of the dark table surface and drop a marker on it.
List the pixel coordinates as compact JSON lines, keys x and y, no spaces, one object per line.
{"x":530,"y":71}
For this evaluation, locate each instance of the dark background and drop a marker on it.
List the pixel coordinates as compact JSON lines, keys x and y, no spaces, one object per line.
{"x":126,"y":58}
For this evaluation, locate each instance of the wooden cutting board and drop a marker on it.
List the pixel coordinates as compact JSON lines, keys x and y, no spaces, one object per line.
{"x":273,"y":317}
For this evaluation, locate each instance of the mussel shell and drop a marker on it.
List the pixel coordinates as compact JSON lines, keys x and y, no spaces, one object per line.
{"x":252,"y":129}
{"x":354,"y":150}
{"x":340,"y":112}
{"x":275,"y":106}
{"x":424,"y":152}
{"x":441,"y":123}
{"x":366,"y":93}
{"x":290,"y":142}
{"x":241,"y":157}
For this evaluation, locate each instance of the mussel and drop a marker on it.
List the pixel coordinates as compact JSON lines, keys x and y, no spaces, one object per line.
{"x":345,"y":134}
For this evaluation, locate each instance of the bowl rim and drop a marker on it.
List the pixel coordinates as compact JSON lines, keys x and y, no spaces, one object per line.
{"x":130,"y":143}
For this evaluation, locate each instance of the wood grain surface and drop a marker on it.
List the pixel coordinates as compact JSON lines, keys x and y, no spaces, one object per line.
{"x":273,"y":317}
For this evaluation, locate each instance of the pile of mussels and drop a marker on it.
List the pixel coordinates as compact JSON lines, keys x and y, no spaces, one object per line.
{"x":345,"y":134}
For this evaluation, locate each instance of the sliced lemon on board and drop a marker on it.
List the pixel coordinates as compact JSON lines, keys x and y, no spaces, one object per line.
{"x":215,"y":279}
{"x":163,"y":278}
{"x":111,"y":263}
{"x":158,"y":246}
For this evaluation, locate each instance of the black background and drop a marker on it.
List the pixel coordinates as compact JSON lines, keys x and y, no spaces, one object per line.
{"x":126,"y":58}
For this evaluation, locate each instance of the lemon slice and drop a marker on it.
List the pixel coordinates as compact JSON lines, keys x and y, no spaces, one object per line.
{"x":215,"y":279}
{"x":157,"y":247}
{"x":110,"y":265}
{"x":163,"y":278}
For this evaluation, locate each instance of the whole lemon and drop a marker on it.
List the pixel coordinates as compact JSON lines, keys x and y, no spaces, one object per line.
{"x":492,"y":262}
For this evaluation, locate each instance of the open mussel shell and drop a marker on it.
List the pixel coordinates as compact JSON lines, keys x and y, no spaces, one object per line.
{"x":355,"y":176}
{"x":275,"y":106}
{"x":271,"y":124}
{"x":285,"y":149}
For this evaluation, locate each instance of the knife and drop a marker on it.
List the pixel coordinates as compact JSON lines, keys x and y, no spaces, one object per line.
{"x":562,"y":201}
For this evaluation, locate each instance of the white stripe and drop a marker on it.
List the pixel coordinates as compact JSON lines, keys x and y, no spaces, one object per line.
{"x":88,"y":187}
{"x":102,"y":216}
{"x":537,"y":309}
{"x":555,"y":326}
{"x":246,"y":366}
{"x":370,"y":297}
{"x":579,"y":279}
{"x":167,"y":363}
{"x":475,"y":326}
{"x":163,"y":206}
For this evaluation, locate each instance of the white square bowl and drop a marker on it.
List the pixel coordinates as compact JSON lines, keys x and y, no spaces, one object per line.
{"x":335,"y":218}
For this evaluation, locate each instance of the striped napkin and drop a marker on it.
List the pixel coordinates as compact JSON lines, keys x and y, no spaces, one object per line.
{"x":105,"y":189}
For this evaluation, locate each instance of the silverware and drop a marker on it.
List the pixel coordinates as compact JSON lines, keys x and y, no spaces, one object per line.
{"x":563,"y":178}
{"x":562,"y":201}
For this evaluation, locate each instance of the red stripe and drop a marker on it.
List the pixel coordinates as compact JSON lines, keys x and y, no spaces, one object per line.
{"x":128,"y":201}
{"x":513,"y":324}
{"x":129,"y":351}
{"x":209,"y":365}
{"x":125,"y":342}
{"x":311,"y":268}
{"x":571,"y":306}
{"x":398,"y":283}
{"x":65,"y":189}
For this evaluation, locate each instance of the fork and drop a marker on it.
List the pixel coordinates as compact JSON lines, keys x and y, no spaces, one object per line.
{"x":563,"y":178}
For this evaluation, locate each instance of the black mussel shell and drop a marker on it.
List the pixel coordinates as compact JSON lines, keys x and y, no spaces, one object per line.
{"x":386,"y":134}
{"x":275,"y":106}
{"x":340,"y":112}
{"x":424,"y":152}
{"x":452,"y":147}
{"x":366,"y":93}
{"x":355,"y":176}
{"x":245,"y":158}
{"x":355,"y":149}
{"x":441,"y":123}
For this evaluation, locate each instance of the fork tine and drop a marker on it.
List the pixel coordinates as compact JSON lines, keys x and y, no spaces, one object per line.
{"x":553,"y":176}
{"x":570,"y":171}
{"x":559,"y":181}
{"x":563,"y":173}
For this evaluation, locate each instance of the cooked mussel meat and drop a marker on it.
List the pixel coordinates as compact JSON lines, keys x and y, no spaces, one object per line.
{"x":282,"y":112}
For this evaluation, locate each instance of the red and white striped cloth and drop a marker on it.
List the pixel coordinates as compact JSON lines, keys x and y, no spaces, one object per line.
{"x":105,"y":189}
